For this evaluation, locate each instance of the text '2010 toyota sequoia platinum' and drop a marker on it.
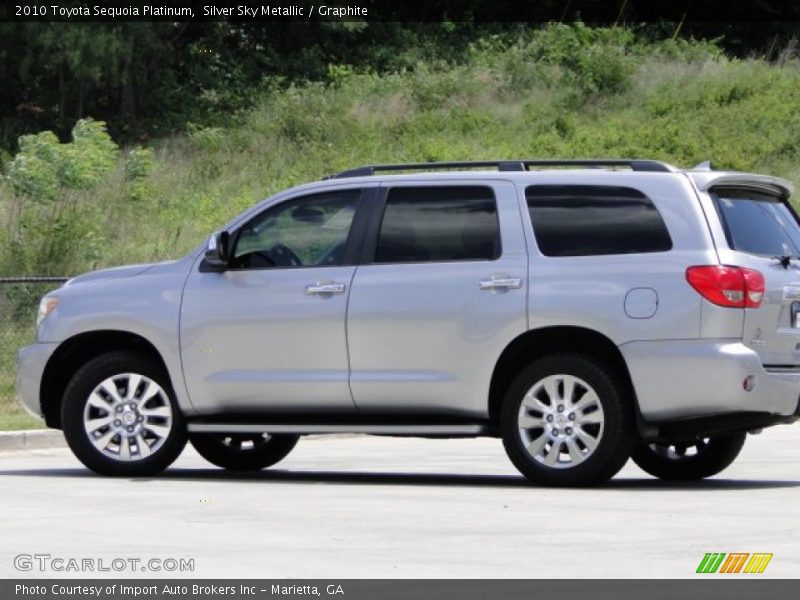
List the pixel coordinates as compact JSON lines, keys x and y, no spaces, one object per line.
{"x":585,"y":311}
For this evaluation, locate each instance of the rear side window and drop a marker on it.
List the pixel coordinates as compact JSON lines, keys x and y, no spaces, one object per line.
{"x":425,"y":224}
{"x":589,"y":220}
{"x":758,"y":223}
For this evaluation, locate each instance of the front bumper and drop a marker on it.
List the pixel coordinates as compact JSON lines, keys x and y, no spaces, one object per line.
{"x":684,"y":379}
{"x":31,"y":362}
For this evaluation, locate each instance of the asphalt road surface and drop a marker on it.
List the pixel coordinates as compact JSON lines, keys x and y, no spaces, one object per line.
{"x":361,"y":507}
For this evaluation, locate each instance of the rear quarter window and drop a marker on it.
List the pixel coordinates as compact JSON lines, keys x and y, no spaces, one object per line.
{"x":584,"y":220}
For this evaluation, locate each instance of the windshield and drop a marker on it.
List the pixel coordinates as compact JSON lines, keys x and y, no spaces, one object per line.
{"x":758,"y":223}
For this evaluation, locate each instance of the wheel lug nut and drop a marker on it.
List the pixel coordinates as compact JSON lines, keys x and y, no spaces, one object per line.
{"x":571,"y":416}
{"x":560,"y":408}
{"x":569,"y":430}
{"x":116,"y":422}
{"x":130,"y":429}
{"x":555,"y":431}
{"x":549,"y":418}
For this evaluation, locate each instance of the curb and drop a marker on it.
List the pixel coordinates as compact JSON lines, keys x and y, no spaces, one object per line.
{"x":34,"y":439}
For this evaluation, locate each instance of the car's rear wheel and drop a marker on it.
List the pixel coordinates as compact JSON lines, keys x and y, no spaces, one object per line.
{"x":120,"y":417}
{"x":243,"y":452}
{"x":567,"y":420}
{"x":690,"y":460}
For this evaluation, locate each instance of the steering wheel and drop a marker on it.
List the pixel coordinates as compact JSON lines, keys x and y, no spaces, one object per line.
{"x":283,"y":256}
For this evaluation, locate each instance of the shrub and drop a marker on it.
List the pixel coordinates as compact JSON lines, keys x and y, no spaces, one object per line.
{"x":54,"y":230}
{"x":44,"y":167}
{"x":138,"y":163}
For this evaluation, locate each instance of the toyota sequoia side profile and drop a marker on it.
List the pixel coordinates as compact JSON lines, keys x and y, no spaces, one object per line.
{"x":584,"y":311}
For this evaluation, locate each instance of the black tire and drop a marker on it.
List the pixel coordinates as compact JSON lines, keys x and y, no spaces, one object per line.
{"x":675,"y":462}
{"x":614,"y":442}
{"x":243,"y":452}
{"x":76,"y":398}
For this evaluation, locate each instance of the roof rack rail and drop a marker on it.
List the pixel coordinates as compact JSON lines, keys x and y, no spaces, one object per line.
{"x":511,"y":165}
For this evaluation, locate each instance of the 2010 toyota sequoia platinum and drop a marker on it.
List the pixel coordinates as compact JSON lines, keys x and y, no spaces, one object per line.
{"x":583,"y":311}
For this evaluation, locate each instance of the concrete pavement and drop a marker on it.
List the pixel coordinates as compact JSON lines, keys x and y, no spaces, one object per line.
{"x":360,"y":507}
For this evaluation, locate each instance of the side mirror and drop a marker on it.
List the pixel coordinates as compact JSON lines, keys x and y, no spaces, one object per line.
{"x":217,"y":249}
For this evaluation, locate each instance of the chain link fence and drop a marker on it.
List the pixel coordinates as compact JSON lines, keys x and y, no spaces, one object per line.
{"x":19,"y":303}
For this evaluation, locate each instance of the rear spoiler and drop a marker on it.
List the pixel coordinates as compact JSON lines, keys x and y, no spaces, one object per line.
{"x":705,"y":180}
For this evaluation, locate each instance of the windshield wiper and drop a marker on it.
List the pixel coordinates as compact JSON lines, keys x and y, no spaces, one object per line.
{"x":786,"y":259}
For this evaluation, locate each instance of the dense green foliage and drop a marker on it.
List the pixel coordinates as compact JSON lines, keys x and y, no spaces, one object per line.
{"x":561,"y":91}
{"x":53,"y":228}
{"x":145,"y":79}
{"x":565,"y":91}
{"x":149,"y":79}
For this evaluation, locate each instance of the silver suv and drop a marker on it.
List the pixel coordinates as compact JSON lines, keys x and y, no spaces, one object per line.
{"x":583,"y":311}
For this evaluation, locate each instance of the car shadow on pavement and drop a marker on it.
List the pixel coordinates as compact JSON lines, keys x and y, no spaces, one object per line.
{"x":414,"y":479}
{"x":460,"y":480}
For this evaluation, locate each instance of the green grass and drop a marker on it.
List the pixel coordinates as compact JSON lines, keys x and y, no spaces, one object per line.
{"x":12,"y":416}
{"x":565,"y":92}
{"x":18,"y":420}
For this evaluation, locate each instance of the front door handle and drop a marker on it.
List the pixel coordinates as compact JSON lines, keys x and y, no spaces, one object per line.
{"x":324,"y":288}
{"x":501,"y":283}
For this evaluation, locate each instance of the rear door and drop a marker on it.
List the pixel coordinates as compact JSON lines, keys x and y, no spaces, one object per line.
{"x":441,"y":293}
{"x":760,"y":227}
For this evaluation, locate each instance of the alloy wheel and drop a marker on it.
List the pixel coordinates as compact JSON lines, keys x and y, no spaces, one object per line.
{"x":128,"y":417}
{"x":561,"y":421}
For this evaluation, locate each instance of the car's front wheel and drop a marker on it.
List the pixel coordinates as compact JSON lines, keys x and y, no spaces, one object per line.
{"x":568,"y":420}
{"x":243,"y":451}
{"x":689,"y":460}
{"x":120,"y":417}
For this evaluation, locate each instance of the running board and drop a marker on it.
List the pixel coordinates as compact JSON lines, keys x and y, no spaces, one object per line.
{"x":422,"y":430}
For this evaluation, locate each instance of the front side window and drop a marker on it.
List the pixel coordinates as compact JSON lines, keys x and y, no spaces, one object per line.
{"x":592,"y":220}
{"x":307,"y":232}
{"x":758,"y":223}
{"x":436,"y":224}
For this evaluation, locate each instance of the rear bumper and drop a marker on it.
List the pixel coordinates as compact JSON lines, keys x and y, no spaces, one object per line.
{"x":31,"y":362}
{"x":685,"y":379}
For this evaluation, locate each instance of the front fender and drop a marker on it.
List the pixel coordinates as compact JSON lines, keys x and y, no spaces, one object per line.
{"x":147,"y":305}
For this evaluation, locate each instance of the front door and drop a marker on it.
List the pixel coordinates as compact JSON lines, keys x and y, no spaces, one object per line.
{"x":268,"y":333}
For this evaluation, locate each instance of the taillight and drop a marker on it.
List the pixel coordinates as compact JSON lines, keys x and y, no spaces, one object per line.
{"x":754,"y":287}
{"x":735,"y":287}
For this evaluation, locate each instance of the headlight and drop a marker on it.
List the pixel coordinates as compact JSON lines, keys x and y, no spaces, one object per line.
{"x":46,"y":306}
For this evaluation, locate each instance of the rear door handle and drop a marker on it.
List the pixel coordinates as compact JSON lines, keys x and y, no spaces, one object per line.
{"x":324,"y":288}
{"x":501,"y":283}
